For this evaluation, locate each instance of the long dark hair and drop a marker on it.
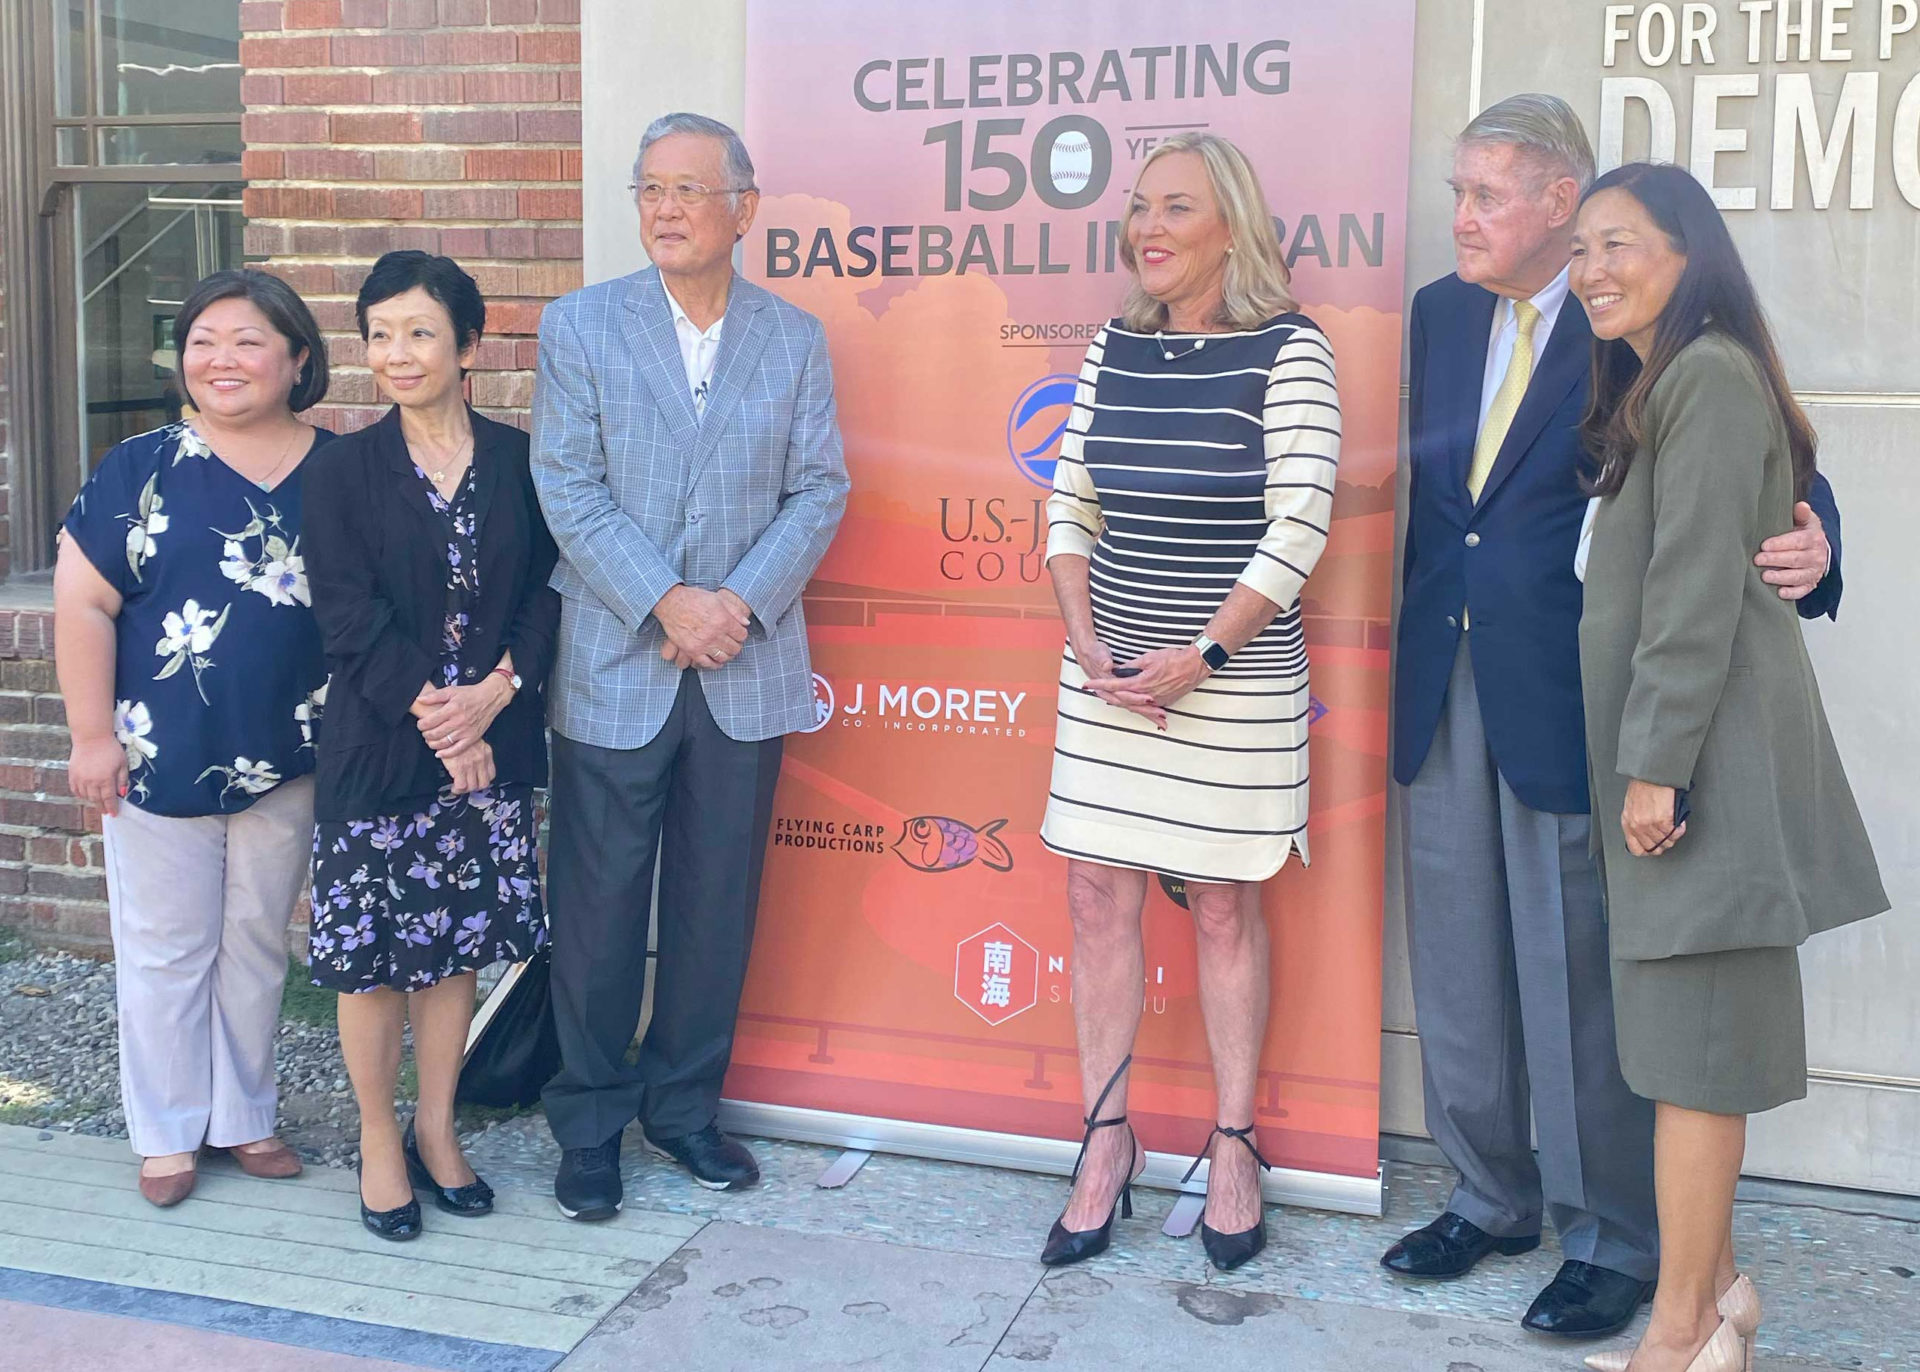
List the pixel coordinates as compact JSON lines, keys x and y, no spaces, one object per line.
{"x":1714,"y":292}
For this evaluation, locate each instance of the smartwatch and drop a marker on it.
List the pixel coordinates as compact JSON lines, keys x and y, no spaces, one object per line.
{"x":1211,"y":653}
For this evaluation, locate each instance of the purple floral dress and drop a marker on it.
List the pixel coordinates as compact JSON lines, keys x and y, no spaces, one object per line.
{"x":404,"y":901}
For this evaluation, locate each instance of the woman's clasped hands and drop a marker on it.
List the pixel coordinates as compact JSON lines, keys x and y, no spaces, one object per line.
{"x":454,"y":720}
{"x":1154,"y":681}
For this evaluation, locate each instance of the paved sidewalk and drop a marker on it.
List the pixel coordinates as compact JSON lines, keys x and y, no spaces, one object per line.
{"x":913,"y":1265}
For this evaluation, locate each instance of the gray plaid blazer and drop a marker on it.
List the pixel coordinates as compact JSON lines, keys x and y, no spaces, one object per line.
{"x":642,"y":495}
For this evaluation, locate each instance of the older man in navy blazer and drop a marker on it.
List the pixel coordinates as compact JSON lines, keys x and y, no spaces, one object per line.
{"x":1507,"y":933}
{"x":689,"y":463}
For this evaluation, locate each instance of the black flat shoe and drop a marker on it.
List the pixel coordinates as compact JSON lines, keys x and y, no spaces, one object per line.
{"x":471,"y":1200}
{"x":1228,"y":1251}
{"x":715,"y":1160}
{"x":1066,"y":1245}
{"x":1587,"y":1302}
{"x":1450,"y":1247}
{"x":398,"y":1224}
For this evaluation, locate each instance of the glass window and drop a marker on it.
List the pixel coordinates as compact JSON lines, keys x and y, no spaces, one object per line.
{"x":168,"y":144}
{"x":168,"y":56}
{"x":135,"y":88}
{"x":138,"y":250}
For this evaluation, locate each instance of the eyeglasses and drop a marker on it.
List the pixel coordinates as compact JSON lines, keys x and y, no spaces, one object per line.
{"x":689,"y":194}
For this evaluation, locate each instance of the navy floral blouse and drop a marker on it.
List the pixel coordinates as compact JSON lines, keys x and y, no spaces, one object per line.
{"x":219,"y":676}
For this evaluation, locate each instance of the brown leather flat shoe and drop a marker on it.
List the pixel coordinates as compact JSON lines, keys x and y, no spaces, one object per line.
{"x":169,"y":1190}
{"x":277,"y":1162}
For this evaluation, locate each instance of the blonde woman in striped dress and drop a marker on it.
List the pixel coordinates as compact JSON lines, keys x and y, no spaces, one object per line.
{"x":1190,"y":504}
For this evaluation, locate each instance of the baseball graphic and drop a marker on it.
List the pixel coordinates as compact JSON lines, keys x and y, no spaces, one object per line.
{"x":1070,"y":163}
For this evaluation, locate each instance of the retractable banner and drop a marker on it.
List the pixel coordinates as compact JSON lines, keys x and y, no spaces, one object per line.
{"x":944,"y":185}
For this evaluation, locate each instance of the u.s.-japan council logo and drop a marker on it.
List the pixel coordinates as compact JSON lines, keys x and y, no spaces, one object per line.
{"x":1038,"y":419}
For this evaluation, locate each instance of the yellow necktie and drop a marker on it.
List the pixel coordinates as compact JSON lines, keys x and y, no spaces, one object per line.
{"x":1506,"y":400}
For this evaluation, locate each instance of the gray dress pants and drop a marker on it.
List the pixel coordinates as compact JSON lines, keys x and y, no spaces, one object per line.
{"x":700,"y":804}
{"x":1512,"y":990}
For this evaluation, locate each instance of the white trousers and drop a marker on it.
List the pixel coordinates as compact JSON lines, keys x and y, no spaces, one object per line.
{"x":200,"y":910}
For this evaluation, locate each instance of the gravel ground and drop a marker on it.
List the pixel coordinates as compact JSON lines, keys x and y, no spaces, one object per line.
{"x":60,"y":1066}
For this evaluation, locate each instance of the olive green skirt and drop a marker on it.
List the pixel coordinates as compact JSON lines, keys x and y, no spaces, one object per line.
{"x":1724,"y":1033}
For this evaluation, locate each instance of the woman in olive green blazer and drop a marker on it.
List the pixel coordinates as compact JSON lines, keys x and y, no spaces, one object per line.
{"x":1700,"y":696}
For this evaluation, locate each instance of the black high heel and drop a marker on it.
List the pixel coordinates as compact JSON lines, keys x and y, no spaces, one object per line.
{"x":1228,"y":1251}
{"x":398,"y":1224}
{"x":1066,"y":1245}
{"x":469,"y":1201}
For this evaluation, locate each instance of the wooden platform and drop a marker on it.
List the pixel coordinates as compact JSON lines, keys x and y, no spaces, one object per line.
{"x":523,"y":1275}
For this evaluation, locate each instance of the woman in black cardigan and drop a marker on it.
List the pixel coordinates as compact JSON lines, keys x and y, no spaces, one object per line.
{"x":428,"y":561}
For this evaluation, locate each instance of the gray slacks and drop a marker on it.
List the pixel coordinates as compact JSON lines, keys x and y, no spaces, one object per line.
{"x":1512,"y":989}
{"x":698,"y":803}
{"x":199,"y":908}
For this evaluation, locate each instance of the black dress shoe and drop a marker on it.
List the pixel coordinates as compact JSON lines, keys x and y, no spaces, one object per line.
{"x":1587,"y":1302}
{"x":1449,"y":1247}
{"x":398,"y":1224}
{"x":717,"y":1162}
{"x":587,"y":1186}
{"x":475,"y":1198}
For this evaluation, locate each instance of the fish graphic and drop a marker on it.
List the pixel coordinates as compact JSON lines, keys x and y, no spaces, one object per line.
{"x":933,"y":844}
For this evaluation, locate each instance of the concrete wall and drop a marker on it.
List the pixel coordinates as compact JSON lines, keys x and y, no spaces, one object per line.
{"x":1842,"y":286}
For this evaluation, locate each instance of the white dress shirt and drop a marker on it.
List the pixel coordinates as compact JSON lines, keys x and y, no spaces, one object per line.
{"x":699,"y":350}
{"x":1506,"y":331}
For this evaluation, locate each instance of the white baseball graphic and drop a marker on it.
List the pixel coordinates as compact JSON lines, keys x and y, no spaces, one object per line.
{"x":1070,"y":163}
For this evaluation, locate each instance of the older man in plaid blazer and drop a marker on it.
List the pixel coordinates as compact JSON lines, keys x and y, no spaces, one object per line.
{"x":689,"y":463}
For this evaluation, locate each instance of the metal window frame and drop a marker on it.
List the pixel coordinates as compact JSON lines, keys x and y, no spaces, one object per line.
{"x":36,"y":196}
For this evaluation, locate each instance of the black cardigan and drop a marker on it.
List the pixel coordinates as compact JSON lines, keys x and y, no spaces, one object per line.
{"x":377,"y":567}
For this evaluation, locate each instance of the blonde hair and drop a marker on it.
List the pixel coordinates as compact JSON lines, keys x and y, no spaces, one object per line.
{"x":1256,"y":284}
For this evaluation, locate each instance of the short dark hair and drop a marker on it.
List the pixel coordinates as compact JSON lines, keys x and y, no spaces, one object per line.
{"x":284,"y":309}
{"x":445,"y":280}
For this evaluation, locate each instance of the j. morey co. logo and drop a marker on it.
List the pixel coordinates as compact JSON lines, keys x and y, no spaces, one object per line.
{"x":918,"y":707}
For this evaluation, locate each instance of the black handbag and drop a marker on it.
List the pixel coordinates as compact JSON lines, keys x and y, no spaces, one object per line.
{"x":513,"y":1049}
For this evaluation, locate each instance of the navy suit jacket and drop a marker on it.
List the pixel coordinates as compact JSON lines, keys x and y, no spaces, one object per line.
{"x":1509,"y":555}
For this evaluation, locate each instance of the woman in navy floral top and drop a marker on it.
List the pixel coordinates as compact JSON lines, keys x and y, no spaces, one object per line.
{"x":193,"y":678}
{"x":430,"y":562}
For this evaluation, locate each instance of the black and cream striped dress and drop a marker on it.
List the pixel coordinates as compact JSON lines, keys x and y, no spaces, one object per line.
{"x":1179,"y":477}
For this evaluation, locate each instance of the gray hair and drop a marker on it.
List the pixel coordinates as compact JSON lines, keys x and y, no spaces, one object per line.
{"x":1543,"y":126}
{"x":739,"y":166}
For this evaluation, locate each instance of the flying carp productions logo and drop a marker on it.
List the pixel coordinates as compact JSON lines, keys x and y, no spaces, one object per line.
{"x":1034,"y":426}
{"x":934,"y":844}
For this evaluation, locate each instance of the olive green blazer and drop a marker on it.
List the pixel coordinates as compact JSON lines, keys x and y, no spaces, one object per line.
{"x":1695,"y":676}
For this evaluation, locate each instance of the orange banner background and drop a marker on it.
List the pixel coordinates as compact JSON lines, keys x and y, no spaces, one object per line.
{"x":907,"y":893}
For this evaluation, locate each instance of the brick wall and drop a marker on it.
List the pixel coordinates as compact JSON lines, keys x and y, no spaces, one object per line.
{"x":52,"y":883}
{"x":447,"y":125}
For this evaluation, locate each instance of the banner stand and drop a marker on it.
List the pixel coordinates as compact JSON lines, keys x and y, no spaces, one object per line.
{"x":1282,"y":1186}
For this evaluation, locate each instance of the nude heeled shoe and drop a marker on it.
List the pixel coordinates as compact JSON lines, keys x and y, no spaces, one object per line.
{"x":1727,"y":1351}
{"x":1740,"y":1307}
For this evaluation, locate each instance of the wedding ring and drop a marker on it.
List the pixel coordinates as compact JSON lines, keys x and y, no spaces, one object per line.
{"x":448,"y":740}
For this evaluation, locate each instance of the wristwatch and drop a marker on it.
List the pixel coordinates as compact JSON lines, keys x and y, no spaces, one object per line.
{"x":1212,"y":653}
{"x":512,"y":678}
